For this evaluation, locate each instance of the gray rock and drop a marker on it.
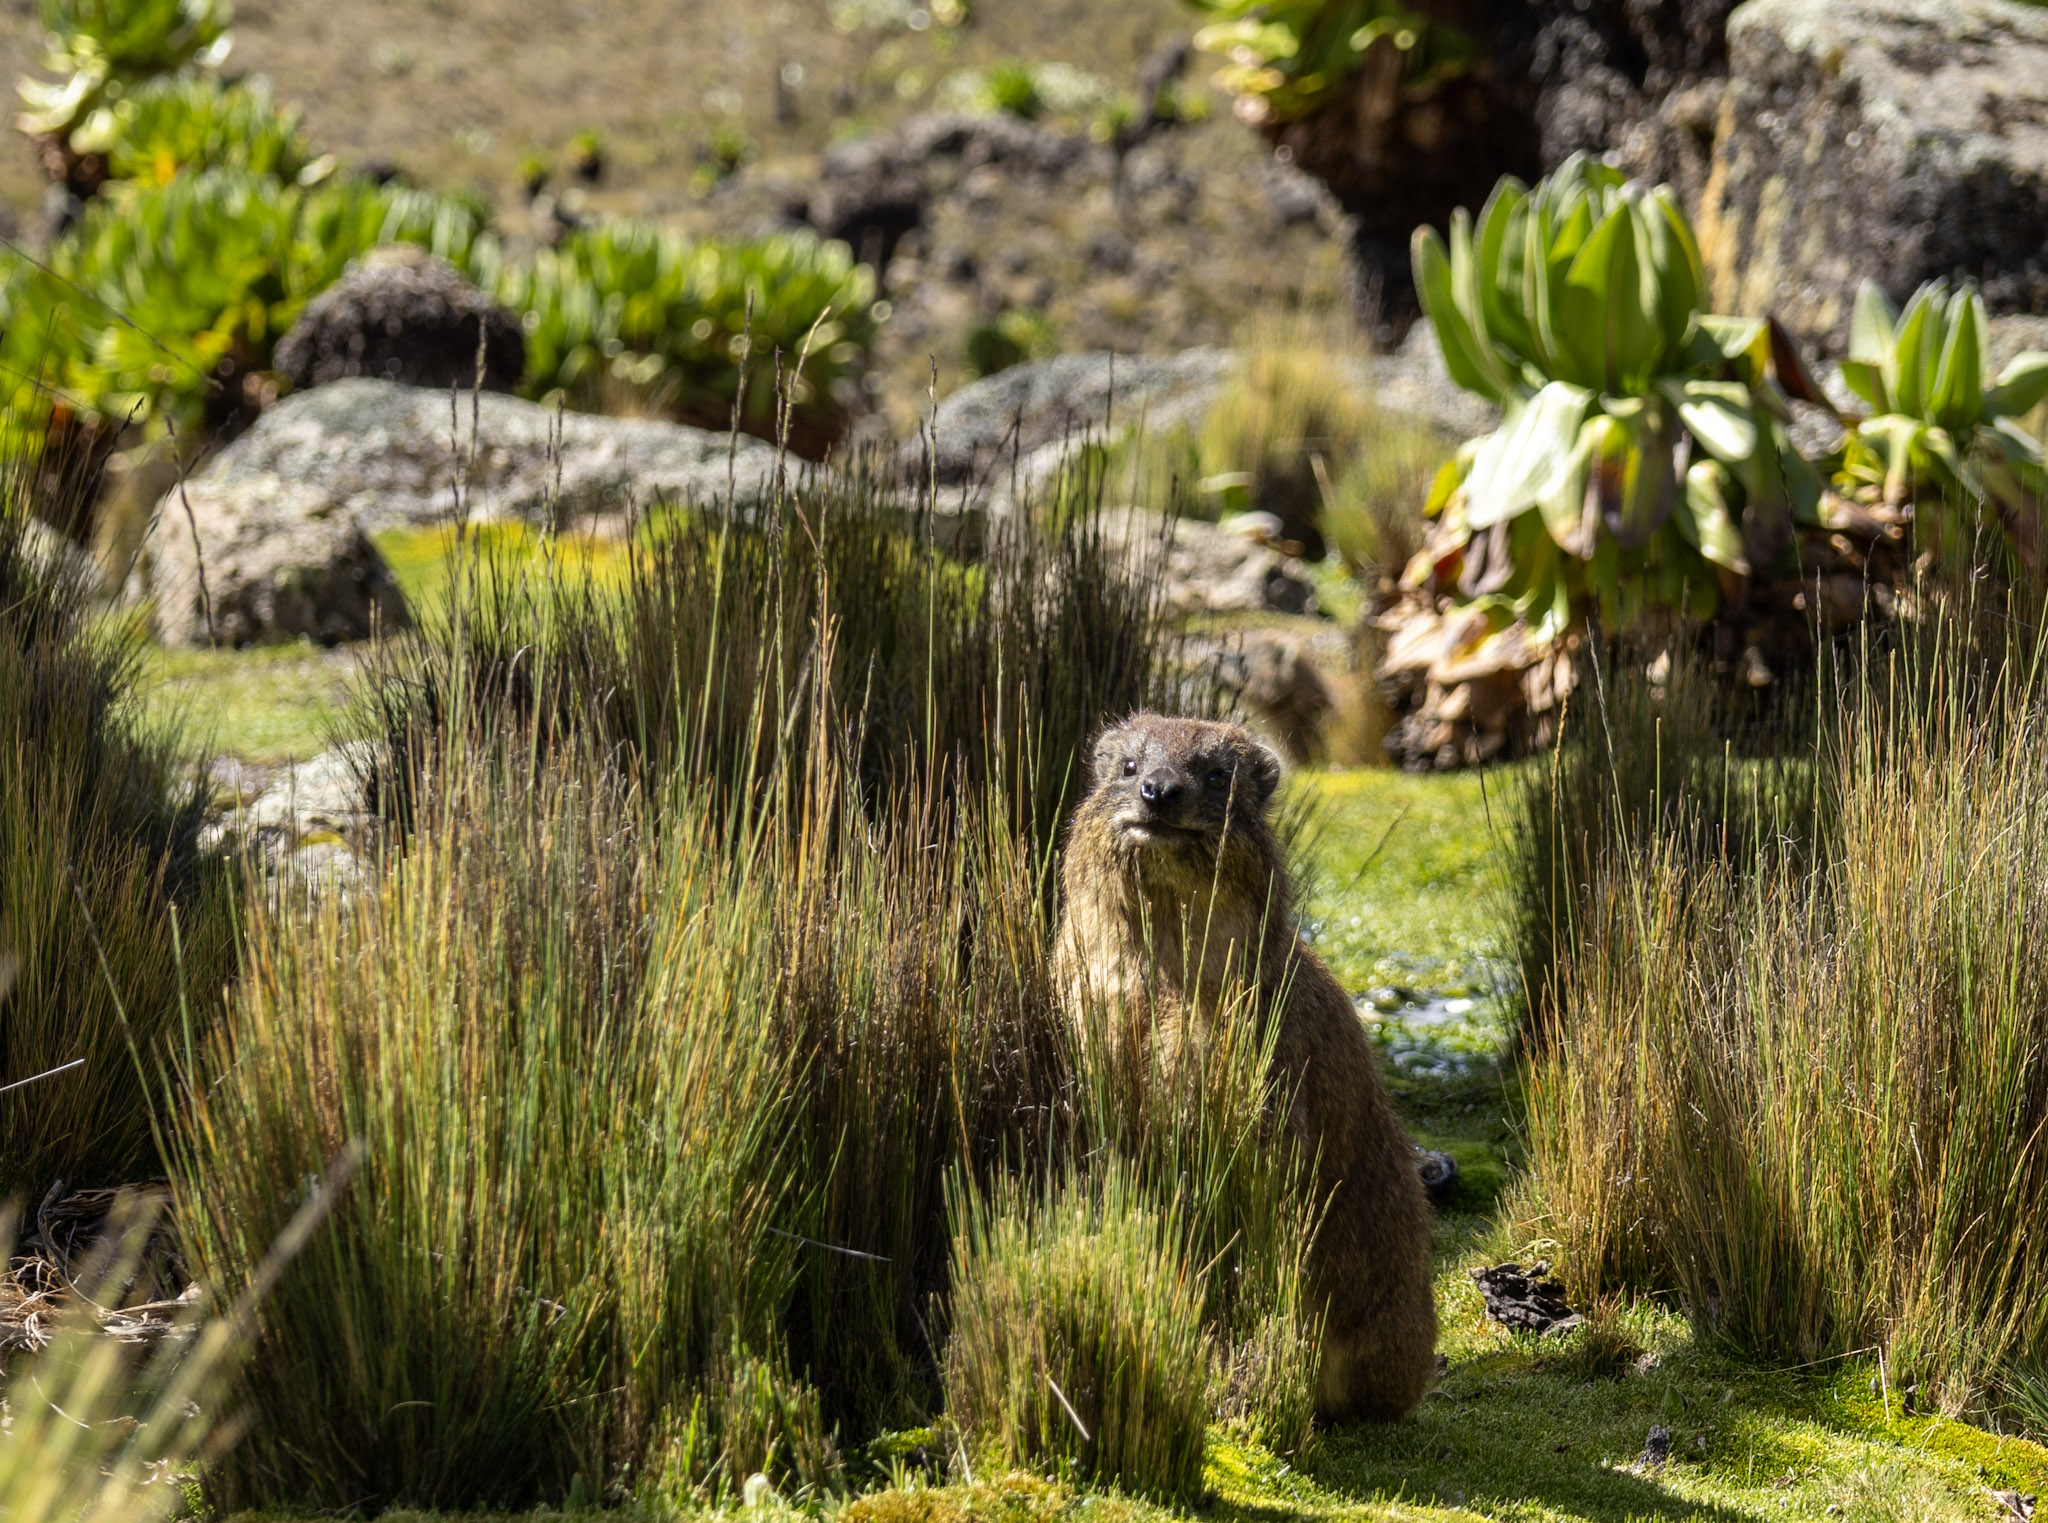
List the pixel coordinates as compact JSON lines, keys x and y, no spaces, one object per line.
{"x":385,"y":456}
{"x":401,"y":314}
{"x":1275,"y":679}
{"x":260,"y":559}
{"x":322,"y":795}
{"x":874,"y":189}
{"x":309,"y":829}
{"x":1413,"y":382}
{"x":1021,"y":421}
{"x":985,"y":429}
{"x":2012,"y":336}
{"x":1899,"y":140}
{"x":57,"y":556}
{"x":1204,"y":569}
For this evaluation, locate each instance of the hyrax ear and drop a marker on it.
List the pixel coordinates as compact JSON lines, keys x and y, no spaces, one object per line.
{"x":1264,"y":769}
{"x":1103,"y":757}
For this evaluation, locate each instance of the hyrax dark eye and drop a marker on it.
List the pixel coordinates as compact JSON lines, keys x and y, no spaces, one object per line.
{"x":1130,"y":766}
{"x":1219,"y":777}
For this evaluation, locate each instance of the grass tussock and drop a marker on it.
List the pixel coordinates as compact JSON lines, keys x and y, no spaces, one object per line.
{"x":714,"y":946}
{"x":712,"y":659}
{"x":1191,"y":1115}
{"x":1804,"y":1085}
{"x":1372,"y":512}
{"x":116,"y":931}
{"x":1642,"y":764}
{"x":1077,"y":1339}
{"x":544,"y":1025}
{"x":1287,"y":422}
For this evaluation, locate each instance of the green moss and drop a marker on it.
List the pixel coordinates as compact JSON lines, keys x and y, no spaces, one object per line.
{"x":270,"y":703}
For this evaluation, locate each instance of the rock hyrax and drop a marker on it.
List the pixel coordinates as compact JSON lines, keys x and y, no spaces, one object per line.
{"x":1174,"y":885}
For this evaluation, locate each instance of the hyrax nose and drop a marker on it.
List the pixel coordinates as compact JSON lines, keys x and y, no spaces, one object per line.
{"x":1162,"y":787}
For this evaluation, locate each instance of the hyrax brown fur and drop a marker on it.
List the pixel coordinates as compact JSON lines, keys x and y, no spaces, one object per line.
{"x":1175,"y":886}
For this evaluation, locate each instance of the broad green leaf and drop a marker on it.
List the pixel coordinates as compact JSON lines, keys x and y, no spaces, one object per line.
{"x":1872,"y":329}
{"x":1905,"y":375}
{"x":1893,"y":436}
{"x":1449,"y":477}
{"x":1803,"y":485}
{"x":2022,"y":386}
{"x":1718,"y":413}
{"x":1554,"y":620}
{"x":1583,"y":308}
{"x":1866,"y":379}
{"x":1573,"y":226}
{"x":1935,"y":454}
{"x":2011,"y":441}
{"x":1564,"y":503}
{"x":1515,"y":465}
{"x":1453,"y":334}
{"x":1595,"y":283}
{"x":1537,"y":571}
{"x":1536,"y":288}
{"x":1500,"y":265}
{"x":1957,"y":401}
{"x":1635,"y":324}
{"x":1707,"y":522}
{"x":1671,"y":263}
{"x":1744,"y":342}
{"x":1465,"y":289}
{"x":2012,"y":484}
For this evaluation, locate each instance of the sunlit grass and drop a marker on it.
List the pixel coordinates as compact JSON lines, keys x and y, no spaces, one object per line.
{"x":1512,"y":1431}
{"x":421,"y":559}
{"x":270,"y":703}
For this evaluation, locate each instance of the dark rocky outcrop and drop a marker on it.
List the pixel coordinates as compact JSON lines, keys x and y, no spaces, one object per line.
{"x":875,"y":189}
{"x":1552,"y":77}
{"x":1895,"y":140}
{"x":400,"y":314}
{"x":1817,"y":144}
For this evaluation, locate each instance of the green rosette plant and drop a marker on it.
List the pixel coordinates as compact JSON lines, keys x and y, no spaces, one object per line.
{"x":165,"y":303}
{"x":1643,"y":457}
{"x":185,"y":123}
{"x":1287,"y":58}
{"x":675,"y":322}
{"x":1942,"y":439}
{"x":101,"y":49}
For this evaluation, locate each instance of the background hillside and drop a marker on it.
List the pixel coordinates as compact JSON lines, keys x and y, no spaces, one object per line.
{"x":1173,"y":246}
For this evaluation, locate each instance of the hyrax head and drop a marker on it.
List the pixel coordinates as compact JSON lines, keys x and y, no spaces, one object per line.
{"x":1180,"y":785}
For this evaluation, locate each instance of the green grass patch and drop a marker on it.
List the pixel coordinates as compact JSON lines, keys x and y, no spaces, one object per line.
{"x":1407,"y":869}
{"x":1515,"y":1430}
{"x":421,"y":559}
{"x":269,"y":703}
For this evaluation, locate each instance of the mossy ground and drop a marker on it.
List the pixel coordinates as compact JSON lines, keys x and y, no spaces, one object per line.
{"x":1407,"y":912}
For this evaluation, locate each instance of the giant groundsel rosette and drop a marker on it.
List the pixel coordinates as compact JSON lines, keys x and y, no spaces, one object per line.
{"x":1941,"y":438}
{"x":1643,"y":454}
